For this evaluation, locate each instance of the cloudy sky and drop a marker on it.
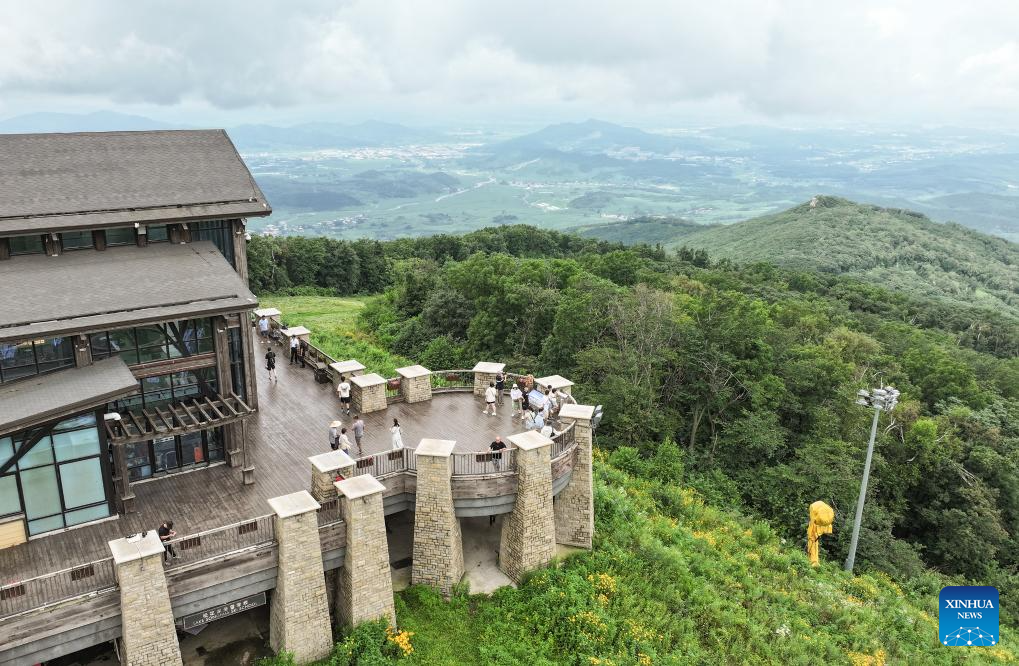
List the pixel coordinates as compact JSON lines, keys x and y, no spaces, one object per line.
{"x":654,"y":62}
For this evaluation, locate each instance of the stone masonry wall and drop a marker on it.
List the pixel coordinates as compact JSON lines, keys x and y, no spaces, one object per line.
{"x":299,"y":614}
{"x":528,"y":532}
{"x":438,"y":545}
{"x":365,"y":586}
{"x":481,"y":382}
{"x":416,"y":389}
{"x":322,"y":483}
{"x":368,"y":399}
{"x":574,"y":506}
{"x":147,"y":630}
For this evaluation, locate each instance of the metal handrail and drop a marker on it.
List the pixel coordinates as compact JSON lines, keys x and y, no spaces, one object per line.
{"x":483,"y":463}
{"x":221,"y":541}
{"x":452,"y":380}
{"x":88,"y":579}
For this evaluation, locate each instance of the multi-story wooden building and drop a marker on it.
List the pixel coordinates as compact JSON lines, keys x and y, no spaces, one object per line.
{"x":125,"y":344}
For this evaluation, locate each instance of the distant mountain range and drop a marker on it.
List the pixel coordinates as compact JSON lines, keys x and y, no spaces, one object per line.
{"x":894,"y":248}
{"x":308,"y":136}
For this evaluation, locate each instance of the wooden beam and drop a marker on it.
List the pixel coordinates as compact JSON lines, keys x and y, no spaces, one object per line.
{"x":228,"y":405}
{"x":151,"y":421}
{"x":198,"y":406}
{"x":137,"y":424}
{"x":194,"y":418}
{"x":109,"y":431}
{"x":173,"y":410}
{"x":212,"y":405}
{"x":242,"y":403}
{"x":162,"y":417}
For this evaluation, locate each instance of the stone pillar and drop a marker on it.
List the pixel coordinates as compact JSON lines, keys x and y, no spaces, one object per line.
{"x":484,"y":374}
{"x":148,"y":635}
{"x":324,"y":469}
{"x":415,"y":383}
{"x":528,"y":532}
{"x":364,"y":589}
{"x":368,"y":393}
{"x":574,"y":506}
{"x":299,"y":613}
{"x":349,"y":368}
{"x":555,"y":382}
{"x":438,"y":547}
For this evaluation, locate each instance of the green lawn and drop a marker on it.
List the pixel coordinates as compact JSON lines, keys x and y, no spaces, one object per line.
{"x":334,"y":329}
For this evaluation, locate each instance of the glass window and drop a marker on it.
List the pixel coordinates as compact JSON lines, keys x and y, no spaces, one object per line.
{"x":25,"y":359}
{"x":85,"y":515}
{"x":75,"y":422}
{"x":9,"y":500}
{"x":6,"y":449}
{"x":76,"y":240}
{"x":26,"y":245}
{"x":82,"y":483}
{"x":42,"y":496}
{"x":214,"y":443}
{"x":54,"y":353}
{"x":165,"y":454}
{"x":40,"y":454}
{"x":139,"y":463}
{"x":76,"y":444}
{"x":123,"y":342}
{"x":45,"y":525}
{"x":191,"y":450}
{"x":158,"y":233}
{"x":122,"y":236}
{"x":220,"y":232}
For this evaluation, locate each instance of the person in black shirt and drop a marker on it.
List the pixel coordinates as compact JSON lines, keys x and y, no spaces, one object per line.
{"x":166,"y":533}
{"x":500,"y":384}
{"x":270,"y":364}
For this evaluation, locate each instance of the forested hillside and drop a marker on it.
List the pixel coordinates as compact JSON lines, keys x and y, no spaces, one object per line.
{"x":897,"y":249}
{"x":752,"y":371}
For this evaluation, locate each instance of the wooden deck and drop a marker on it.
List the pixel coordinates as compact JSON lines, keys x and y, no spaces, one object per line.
{"x":292,"y":423}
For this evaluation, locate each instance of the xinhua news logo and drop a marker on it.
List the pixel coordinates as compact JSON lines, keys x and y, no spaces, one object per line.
{"x":968,"y":616}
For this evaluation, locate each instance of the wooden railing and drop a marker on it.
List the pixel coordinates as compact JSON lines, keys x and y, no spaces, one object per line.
{"x":85,"y":580}
{"x":222,"y":541}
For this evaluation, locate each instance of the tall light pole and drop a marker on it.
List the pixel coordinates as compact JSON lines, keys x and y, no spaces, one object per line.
{"x":881,"y":400}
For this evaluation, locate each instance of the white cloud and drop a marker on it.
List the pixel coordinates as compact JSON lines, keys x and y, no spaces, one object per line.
{"x":867,"y":60}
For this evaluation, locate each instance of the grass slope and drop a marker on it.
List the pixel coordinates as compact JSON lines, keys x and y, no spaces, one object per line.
{"x":649,"y":230}
{"x":671,"y":579}
{"x":897,"y":249}
{"x":333,"y":325}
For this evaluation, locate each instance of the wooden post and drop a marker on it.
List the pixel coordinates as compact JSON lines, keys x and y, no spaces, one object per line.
{"x":5,"y":248}
{"x":122,"y":482}
{"x":99,"y":239}
{"x":141,"y":236}
{"x":82,"y":351}
{"x":240,"y":249}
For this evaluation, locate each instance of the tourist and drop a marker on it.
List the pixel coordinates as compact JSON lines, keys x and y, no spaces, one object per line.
{"x":343,"y":391}
{"x":334,"y":435}
{"x":547,"y":431}
{"x":528,"y":383}
{"x":497,"y":446}
{"x":270,"y":364}
{"x":546,"y":406}
{"x":303,"y":353}
{"x":489,"y":399}
{"x":263,"y":329}
{"x":500,"y":384}
{"x":166,"y":533}
{"x":294,"y":344}
{"x":344,"y":441}
{"x":358,"y":433}
{"x":397,"y":435}
{"x":516,"y":396}
{"x":534,"y":420}
{"x":563,"y":398}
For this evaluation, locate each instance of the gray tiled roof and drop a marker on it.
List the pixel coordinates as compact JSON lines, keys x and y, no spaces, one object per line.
{"x":88,"y":290}
{"x":54,"y":182}
{"x":46,"y":397}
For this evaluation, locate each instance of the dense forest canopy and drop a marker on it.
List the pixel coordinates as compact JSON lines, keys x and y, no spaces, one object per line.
{"x":751,"y":370}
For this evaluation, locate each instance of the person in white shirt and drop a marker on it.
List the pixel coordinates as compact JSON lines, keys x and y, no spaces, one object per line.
{"x":294,"y":344}
{"x":397,"y":435}
{"x":490,"y":396}
{"x":516,"y":395}
{"x":344,"y":441}
{"x":547,"y":431}
{"x":343,"y":391}
{"x":563,"y":397}
{"x":263,"y":328}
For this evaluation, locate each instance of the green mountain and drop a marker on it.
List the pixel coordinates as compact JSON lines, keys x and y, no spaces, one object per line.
{"x":897,"y":249}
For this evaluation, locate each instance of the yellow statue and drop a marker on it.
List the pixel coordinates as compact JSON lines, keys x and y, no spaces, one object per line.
{"x":821,"y":518}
